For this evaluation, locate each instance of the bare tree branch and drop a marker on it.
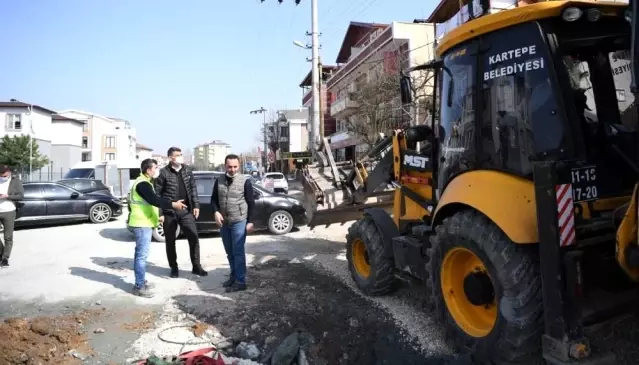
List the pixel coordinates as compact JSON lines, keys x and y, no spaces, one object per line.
{"x":376,"y":98}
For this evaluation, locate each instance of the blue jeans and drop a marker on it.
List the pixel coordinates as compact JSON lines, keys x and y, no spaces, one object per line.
{"x":234,"y":239}
{"x":142,"y":246}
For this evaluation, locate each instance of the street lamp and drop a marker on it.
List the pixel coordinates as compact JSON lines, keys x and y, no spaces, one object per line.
{"x":301,"y":45}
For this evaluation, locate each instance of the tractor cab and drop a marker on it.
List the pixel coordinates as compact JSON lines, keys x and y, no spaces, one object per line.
{"x":535,"y":128}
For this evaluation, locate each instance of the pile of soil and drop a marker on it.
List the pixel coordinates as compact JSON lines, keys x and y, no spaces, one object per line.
{"x":58,"y":340}
{"x":343,"y":327}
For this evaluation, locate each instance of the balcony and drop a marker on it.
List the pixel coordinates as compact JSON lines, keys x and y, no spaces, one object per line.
{"x":343,"y":107}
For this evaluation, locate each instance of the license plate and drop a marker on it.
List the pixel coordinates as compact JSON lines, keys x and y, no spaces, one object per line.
{"x":584,"y":183}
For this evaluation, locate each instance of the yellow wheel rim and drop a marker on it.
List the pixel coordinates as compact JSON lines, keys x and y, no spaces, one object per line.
{"x":476,"y":317}
{"x":360,"y":258}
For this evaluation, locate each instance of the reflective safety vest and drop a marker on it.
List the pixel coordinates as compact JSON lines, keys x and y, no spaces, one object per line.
{"x":142,"y":214}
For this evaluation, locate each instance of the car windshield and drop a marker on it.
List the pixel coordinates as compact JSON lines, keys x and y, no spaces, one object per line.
{"x":78,"y":174}
{"x":276,"y":176}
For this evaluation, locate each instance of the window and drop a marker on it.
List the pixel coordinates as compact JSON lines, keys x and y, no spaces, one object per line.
{"x":620,"y":68}
{"x":85,"y":126}
{"x":13,"y":122}
{"x":204,"y":186}
{"x":109,"y":142}
{"x":32,"y":191}
{"x":85,"y":156}
{"x":85,"y":142}
{"x":517,"y":90}
{"x":110,"y":156}
{"x":284,"y":131}
{"x":56,"y":191}
{"x":458,"y":119}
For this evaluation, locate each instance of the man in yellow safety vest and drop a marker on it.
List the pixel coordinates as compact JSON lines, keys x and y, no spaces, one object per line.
{"x":143,"y":218}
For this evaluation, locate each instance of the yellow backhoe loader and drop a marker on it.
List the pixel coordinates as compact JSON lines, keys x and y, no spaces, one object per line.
{"x":517,"y":205}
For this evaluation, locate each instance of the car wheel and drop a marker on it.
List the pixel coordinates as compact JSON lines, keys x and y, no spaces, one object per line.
{"x":100,"y":213}
{"x":280,"y":222}
{"x":158,"y":233}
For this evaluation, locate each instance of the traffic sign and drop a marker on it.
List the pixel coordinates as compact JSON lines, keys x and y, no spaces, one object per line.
{"x":271,"y":157}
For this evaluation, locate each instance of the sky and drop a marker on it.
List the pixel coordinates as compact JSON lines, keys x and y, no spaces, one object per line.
{"x":181,"y":74}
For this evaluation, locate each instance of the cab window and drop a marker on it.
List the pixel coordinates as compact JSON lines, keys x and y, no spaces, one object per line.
{"x":518,"y":109}
{"x":457,"y":114}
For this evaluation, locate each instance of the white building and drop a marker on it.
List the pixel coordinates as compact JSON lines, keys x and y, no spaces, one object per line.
{"x":66,"y":143}
{"x":104,"y":138}
{"x":143,"y":152}
{"x":210,"y":155}
{"x":30,"y":120}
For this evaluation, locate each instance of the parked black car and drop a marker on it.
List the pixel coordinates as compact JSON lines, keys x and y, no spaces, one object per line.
{"x":50,"y":202}
{"x":276,"y":212}
{"x":86,"y":185}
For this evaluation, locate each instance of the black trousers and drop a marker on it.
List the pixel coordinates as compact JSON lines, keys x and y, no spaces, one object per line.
{"x":186,"y":221}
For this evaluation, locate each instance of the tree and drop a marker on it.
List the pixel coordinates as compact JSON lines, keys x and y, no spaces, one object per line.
{"x":16,"y":152}
{"x":377,"y":105}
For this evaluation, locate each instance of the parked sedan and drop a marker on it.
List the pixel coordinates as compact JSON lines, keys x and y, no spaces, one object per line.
{"x":50,"y":202}
{"x":276,"y":212}
{"x":276,"y":181}
{"x":86,"y":185}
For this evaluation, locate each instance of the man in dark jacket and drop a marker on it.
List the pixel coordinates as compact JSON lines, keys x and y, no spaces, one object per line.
{"x":11,"y":191}
{"x":176,"y":182}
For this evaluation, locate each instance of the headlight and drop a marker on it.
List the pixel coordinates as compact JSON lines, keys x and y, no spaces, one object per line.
{"x":293,"y":200}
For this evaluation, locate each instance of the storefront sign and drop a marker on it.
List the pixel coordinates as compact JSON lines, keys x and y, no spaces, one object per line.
{"x":295,"y":155}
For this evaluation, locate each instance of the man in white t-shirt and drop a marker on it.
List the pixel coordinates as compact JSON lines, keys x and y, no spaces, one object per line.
{"x":11,"y":191}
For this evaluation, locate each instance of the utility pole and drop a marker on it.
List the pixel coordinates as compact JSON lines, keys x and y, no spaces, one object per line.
{"x":315,"y":77}
{"x":321,"y":101}
{"x":262,"y":111}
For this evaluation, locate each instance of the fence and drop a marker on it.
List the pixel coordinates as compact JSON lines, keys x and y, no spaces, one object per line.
{"x":43,"y":175}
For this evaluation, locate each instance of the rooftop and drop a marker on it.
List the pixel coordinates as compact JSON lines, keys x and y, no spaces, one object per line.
{"x":140,"y":146}
{"x":326,"y":72}
{"x":58,"y":117}
{"x":355,"y":32}
{"x":18,"y":104}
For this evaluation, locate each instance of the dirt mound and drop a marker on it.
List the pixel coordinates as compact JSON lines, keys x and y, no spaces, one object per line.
{"x":58,"y":340}
{"x":341,"y":326}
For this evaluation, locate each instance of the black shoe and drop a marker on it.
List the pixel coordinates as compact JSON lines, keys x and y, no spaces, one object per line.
{"x":236,"y":287}
{"x":228,"y":283}
{"x":175,"y":272}
{"x":4,"y":263}
{"x":198,"y":270}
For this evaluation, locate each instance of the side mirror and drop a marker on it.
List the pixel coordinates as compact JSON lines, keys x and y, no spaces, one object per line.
{"x":74,"y":195}
{"x":406,"y":89}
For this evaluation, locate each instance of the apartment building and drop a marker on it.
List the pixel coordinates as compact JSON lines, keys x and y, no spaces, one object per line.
{"x":210,"y":155}
{"x":291,"y":133}
{"x":326,"y":98}
{"x":367,"y":51}
{"x":66,"y":143}
{"x":103,"y":138}
{"x":143,"y":152}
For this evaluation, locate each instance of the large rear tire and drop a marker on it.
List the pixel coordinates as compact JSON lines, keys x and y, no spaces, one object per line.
{"x":371,"y":269}
{"x":485,"y":290}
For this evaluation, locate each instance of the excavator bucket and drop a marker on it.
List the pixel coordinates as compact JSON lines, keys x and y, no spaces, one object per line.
{"x":330,"y":194}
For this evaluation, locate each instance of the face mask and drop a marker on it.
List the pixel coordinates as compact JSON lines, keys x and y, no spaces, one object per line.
{"x":231,"y":176}
{"x":156,"y":173}
{"x":179,"y":160}
{"x":4,"y":178}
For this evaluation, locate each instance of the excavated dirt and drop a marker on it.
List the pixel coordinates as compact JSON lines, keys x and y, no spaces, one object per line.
{"x":340,"y":326}
{"x":56,"y":340}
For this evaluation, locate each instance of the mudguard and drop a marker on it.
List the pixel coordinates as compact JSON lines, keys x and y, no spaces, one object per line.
{"x":507,"y":200}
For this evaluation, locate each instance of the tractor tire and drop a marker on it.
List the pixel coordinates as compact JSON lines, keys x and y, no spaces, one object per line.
{"x":371,"y":269}
{"x":485,"y":290}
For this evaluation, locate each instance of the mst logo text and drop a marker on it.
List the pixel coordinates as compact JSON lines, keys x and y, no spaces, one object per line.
{"x":416,"y":162}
